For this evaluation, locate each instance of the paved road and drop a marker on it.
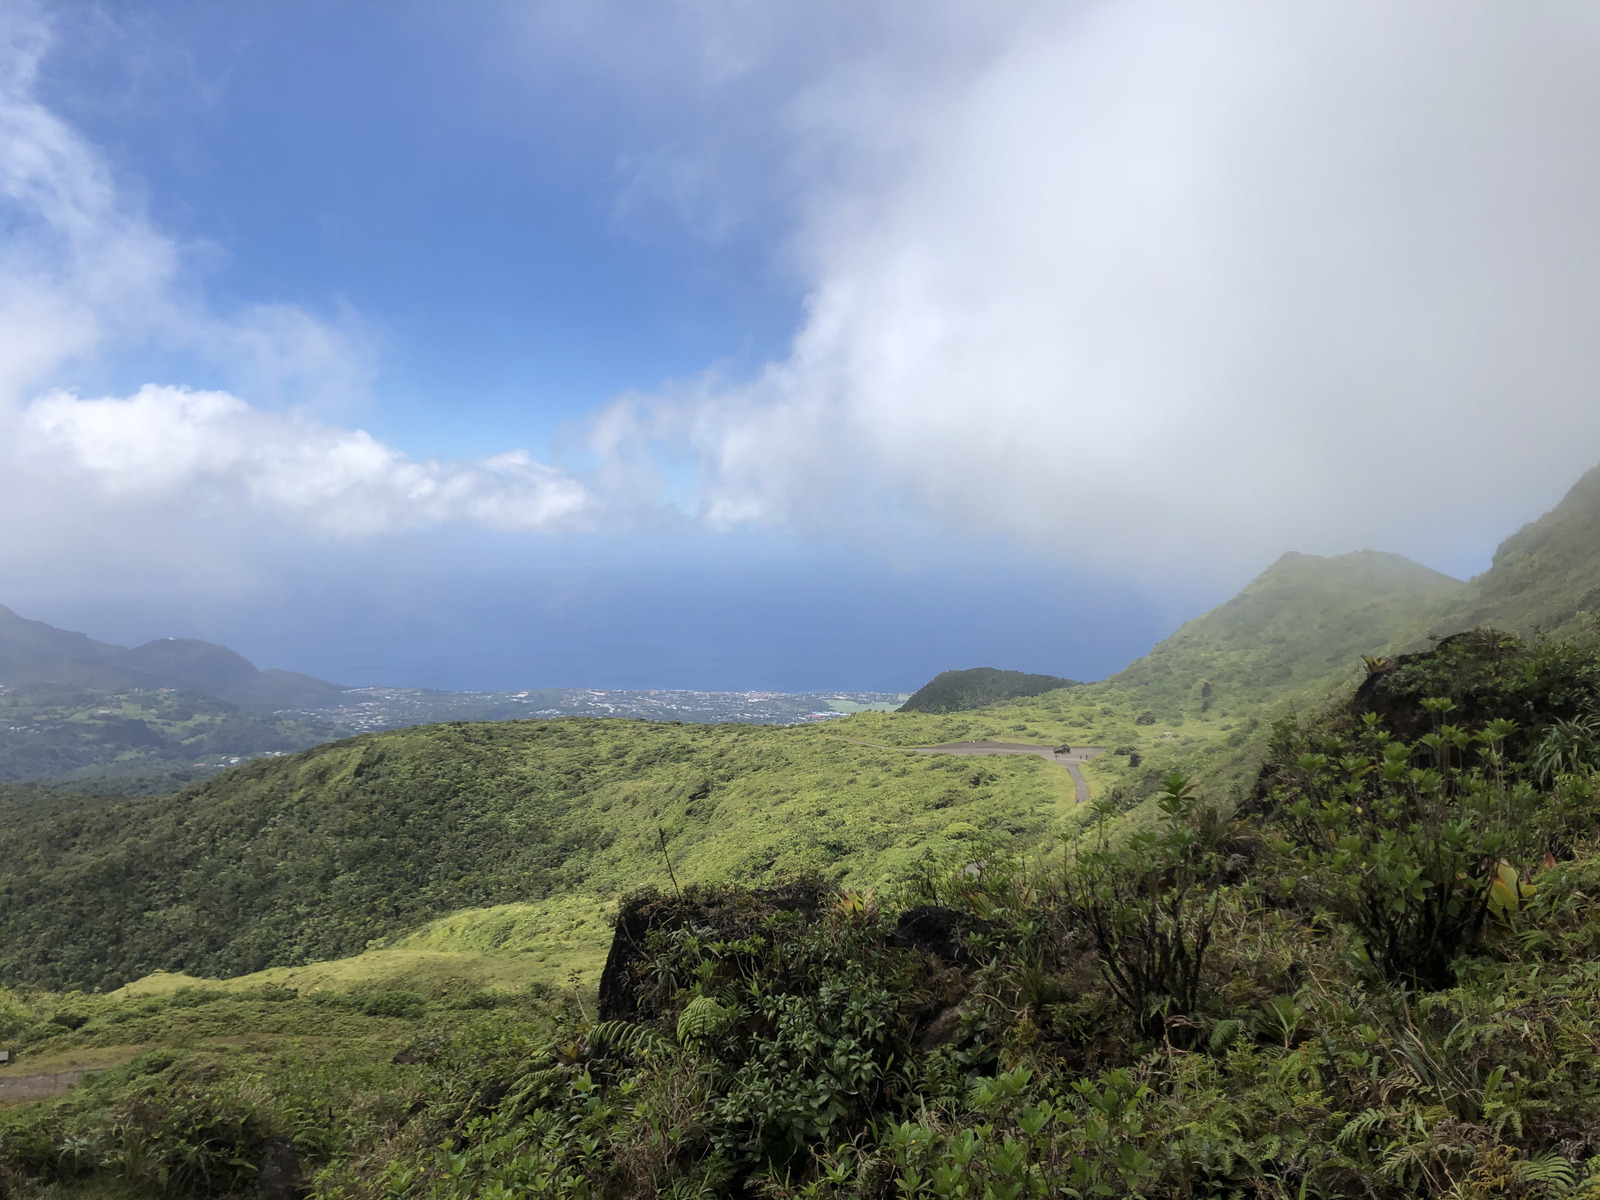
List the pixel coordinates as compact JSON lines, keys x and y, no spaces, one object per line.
{"x":14,"y":1088}
{"x":1069,"y":760}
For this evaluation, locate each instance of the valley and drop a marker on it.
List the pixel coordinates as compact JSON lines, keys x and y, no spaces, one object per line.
{"x":408,"y":938}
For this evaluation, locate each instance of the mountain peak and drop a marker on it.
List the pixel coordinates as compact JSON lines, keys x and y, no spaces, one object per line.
{"x":1546,"y":576}
{"x":1304,"y":618}
{"x":35,"y":652}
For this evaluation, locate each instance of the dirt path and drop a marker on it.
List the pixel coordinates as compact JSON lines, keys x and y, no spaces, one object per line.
{"x":1070,"y":760}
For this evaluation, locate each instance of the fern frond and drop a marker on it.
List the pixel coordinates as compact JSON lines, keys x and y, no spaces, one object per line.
{"x":700,"y":1019}
{"x":530,"y":1089}
{"x":627,"y":1038}
{"x":1551,"y":1169}
{"x":1225,"y":1034}
{"x":1359,"y":1125}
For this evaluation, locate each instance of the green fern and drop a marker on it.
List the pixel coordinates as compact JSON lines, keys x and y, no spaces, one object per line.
{"x":626,"y":1038}
{"x":700,"y":1019}
{"x":1359,"y":1126}
{"x":1550,"y":1169}
{"x":1225,"y":1034}
{"x":530,"y":1090}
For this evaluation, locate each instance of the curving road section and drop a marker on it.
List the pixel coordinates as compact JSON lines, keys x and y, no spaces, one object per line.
{"x":1070,"y":758}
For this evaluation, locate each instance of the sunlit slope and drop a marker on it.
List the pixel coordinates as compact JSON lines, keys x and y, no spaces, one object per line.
{"x":296,"y":860}
{"x":1546,"y":576}
{"x":552,"y":942}
{"x":1204,"y":698}
{"x":1300,"y":627}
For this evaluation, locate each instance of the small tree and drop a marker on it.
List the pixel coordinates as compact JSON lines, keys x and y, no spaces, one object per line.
{"x":1145,"y":907}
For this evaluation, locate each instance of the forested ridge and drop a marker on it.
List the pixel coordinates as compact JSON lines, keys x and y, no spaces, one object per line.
{"x":136,"y":741}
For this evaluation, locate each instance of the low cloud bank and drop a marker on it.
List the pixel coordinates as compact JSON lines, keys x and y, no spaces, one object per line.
{"x":1191,"y":284}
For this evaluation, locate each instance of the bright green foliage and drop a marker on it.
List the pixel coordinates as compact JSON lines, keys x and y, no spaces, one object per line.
{"x":1373,"y":973}
{"x":236,"y":1072}
{"x":1415,"y":842}
{"x":1407,"y":854}
{"x":289,"y":861}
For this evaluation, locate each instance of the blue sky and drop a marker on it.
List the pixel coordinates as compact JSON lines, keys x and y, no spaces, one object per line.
{"x":376,"y":159}
{"x":722,"y":344}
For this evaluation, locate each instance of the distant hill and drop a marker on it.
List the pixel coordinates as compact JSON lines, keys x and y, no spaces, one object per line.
{"x":957,"y":691}
{"x":1545,"y":576}
{"x":1301,"y":621}
{"x":34,"y":652}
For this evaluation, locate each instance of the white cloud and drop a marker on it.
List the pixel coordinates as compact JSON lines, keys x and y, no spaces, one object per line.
{"x":84,"y":274}
{"x":164,"y":442}
{"x":1168,"y":282}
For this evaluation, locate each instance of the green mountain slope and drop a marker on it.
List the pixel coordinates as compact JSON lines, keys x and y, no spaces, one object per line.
{"x":295,"y":860}
{"x":285,"y":861}
{"x":1297,"y":628}
{"x":1545,"y":576}
{"x":1376,"y":979}
{"x":955,"y":691}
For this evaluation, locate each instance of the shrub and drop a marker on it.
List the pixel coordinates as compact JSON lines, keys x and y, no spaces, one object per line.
{"x":1406,"y":841}
{"x":1143,"y":904}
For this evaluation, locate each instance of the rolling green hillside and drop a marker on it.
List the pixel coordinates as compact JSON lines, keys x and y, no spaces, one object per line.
{"x":1376,"y":979}
{"x":956,"y":691}
{"x":295,"y":860}
{"x":1299,"y":628}
{"x":290,"y":861}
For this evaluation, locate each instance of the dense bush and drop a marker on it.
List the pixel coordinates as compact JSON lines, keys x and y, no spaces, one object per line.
{"x":1144,"y":905}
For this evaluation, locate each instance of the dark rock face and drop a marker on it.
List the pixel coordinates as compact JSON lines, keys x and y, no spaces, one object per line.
{"x":1470,"y":668}
{"x":936,"y":931}
{"x":279,"y":1177}
{"x":732,"y":914}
